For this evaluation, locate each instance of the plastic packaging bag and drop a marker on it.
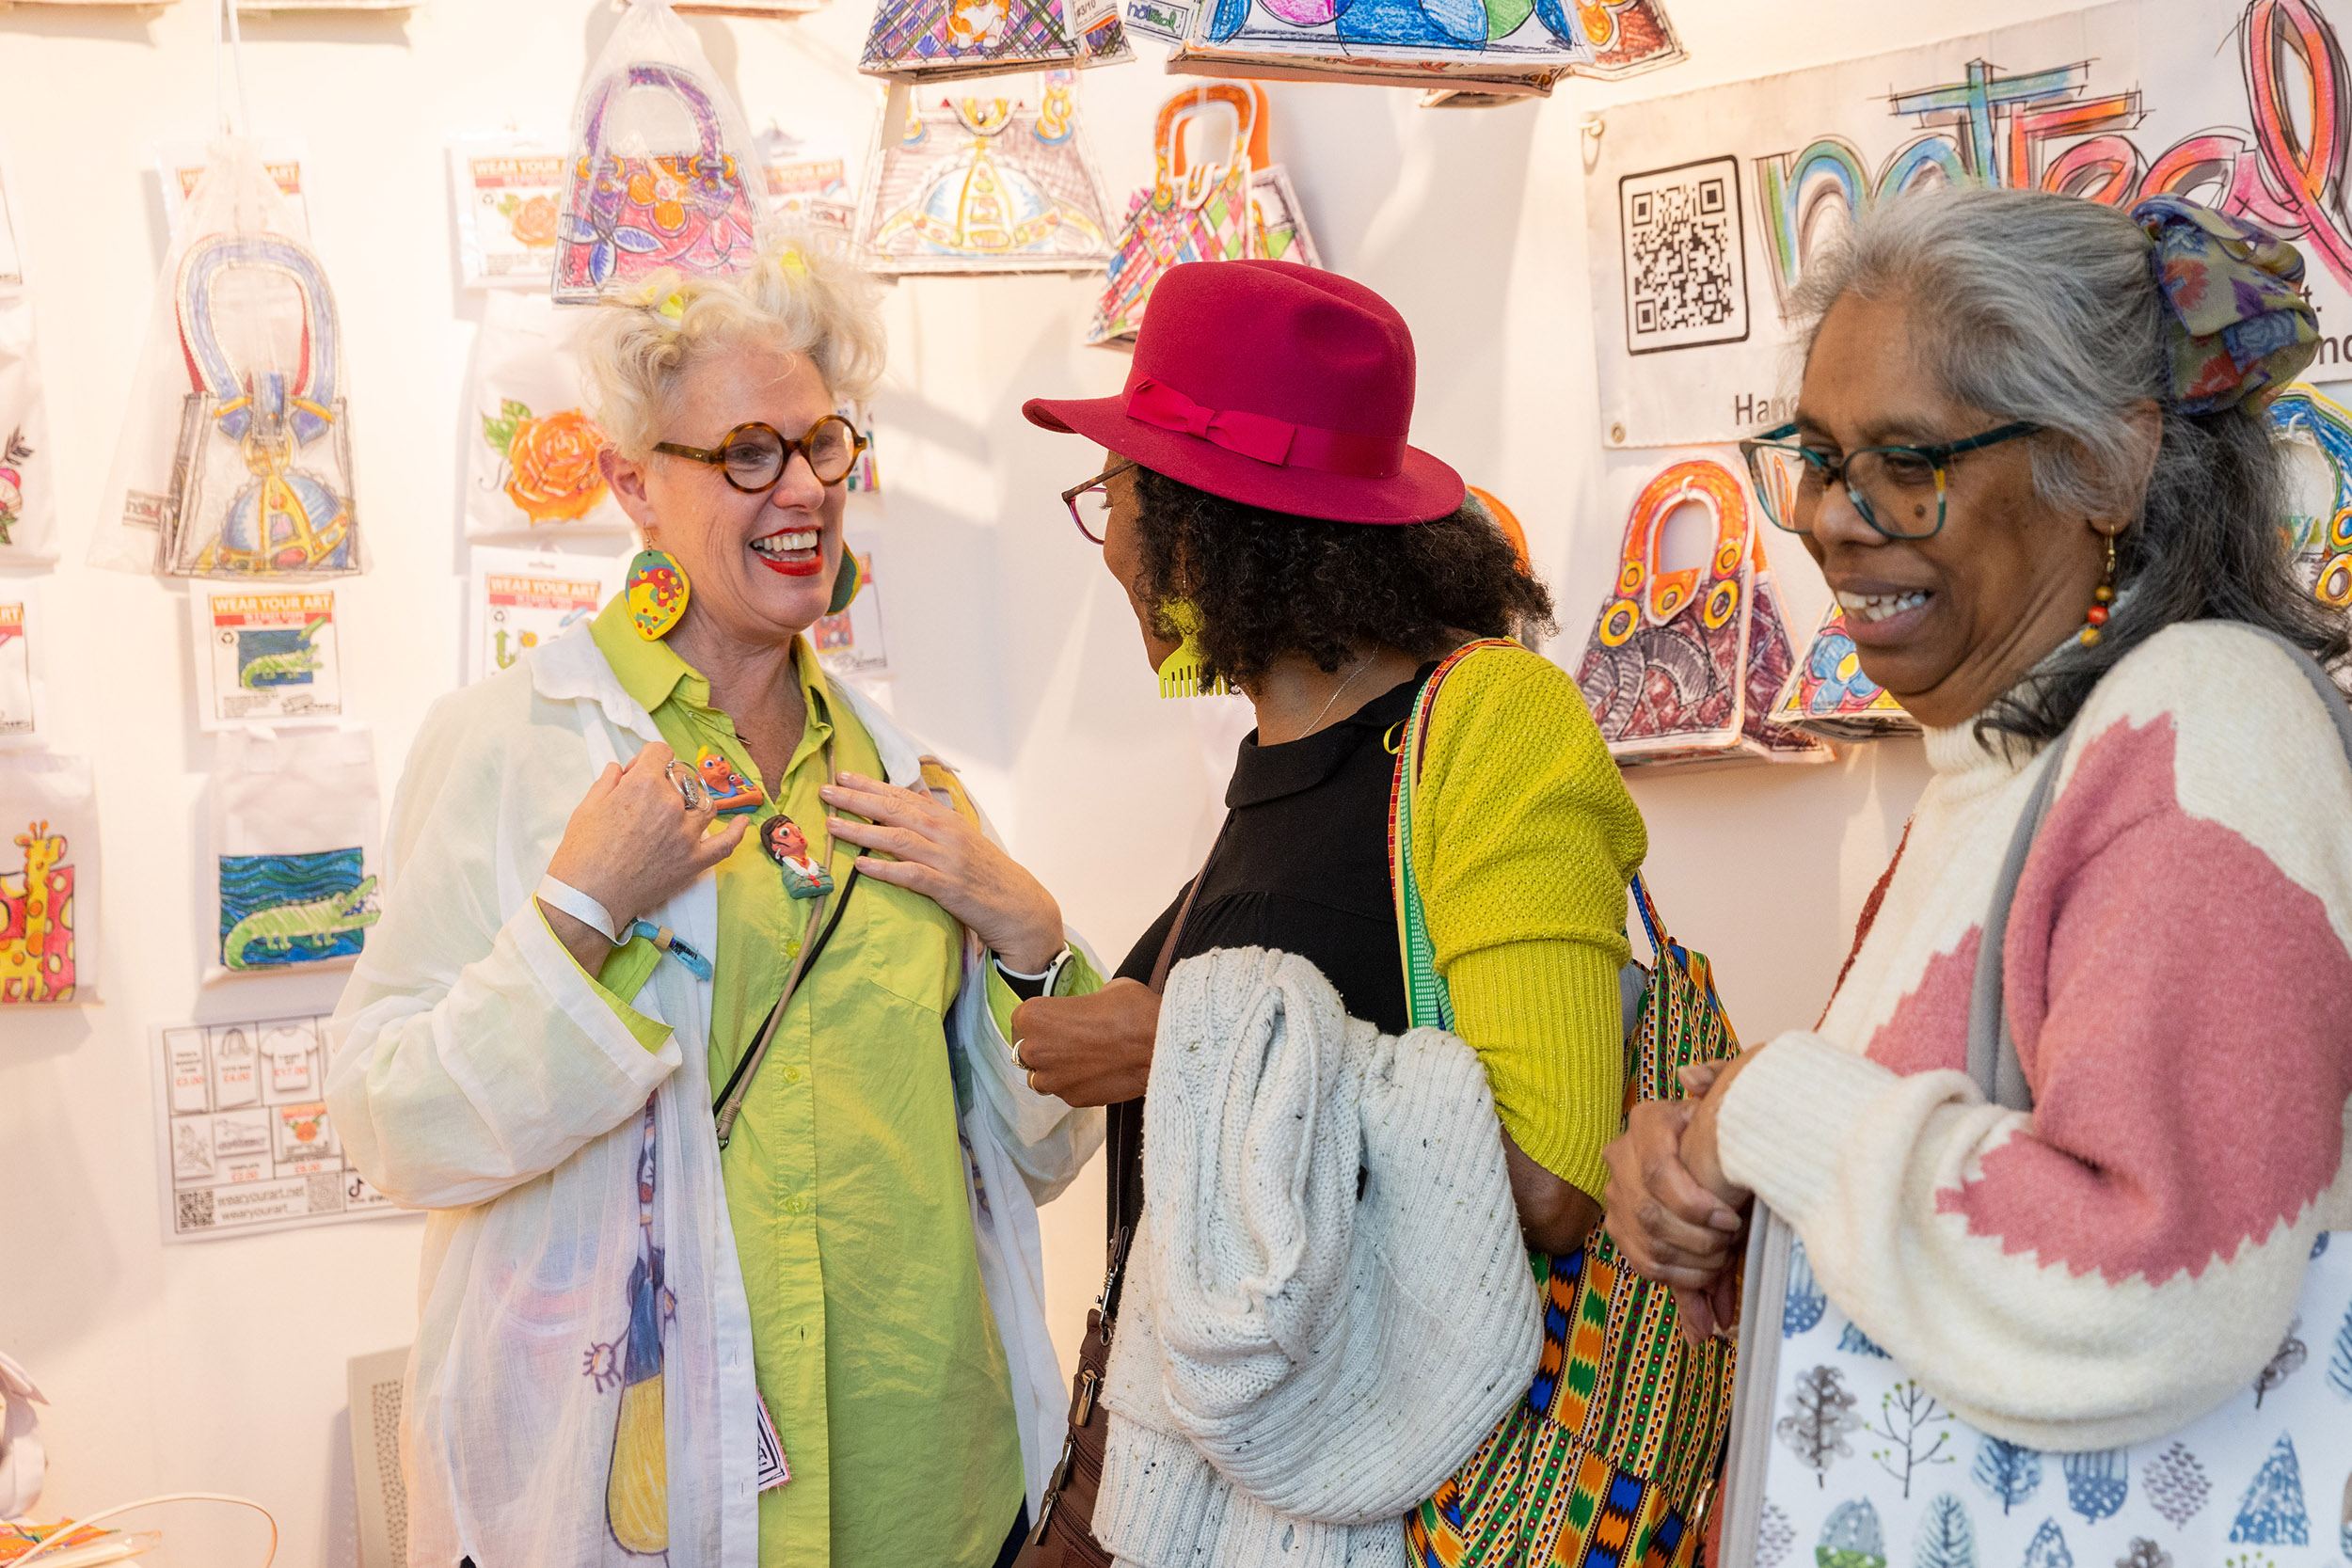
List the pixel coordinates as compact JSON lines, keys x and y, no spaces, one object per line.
{"x":661,"y":168}
{"x":530,"y":443}
{"x":295,"y":830}
{"x":49,"y":885}
{"x":234,"y":458}
{"x":27,"y":501}
{"x":24,"y":644}
{"x":510,"y":194}
{"x":517,"y":599}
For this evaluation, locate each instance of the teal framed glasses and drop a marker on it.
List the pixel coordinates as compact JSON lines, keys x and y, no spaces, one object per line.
{"x":1899,"y":491}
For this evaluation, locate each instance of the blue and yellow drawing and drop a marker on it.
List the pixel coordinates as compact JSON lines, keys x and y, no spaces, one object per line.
{"x":637,"y":1488}
{"x":278,"y":911}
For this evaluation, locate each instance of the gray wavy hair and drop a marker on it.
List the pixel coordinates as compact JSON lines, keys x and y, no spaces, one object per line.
{"x":2042,"y":307}
{"x":795,"y":299}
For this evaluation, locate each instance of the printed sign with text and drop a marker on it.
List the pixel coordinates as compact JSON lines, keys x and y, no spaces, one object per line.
{"x":266,"y":657}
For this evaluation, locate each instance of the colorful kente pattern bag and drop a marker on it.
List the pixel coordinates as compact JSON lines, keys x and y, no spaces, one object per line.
{"x":947,"y":40}
{"x":1828,"y":693}
{"x":1834,"y":1444}
{"x":630,"y":212}
{"x":984,"y":185}
{"x":1194,"y":211}
{"x":1612,"y":1457}
{"x":1683,"y":666}
{"x":261,"y":482}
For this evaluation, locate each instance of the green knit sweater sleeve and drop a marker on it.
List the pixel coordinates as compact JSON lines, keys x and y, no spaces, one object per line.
{"x":1524,"y":839}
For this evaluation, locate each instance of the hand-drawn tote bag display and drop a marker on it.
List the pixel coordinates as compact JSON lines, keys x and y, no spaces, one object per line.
{"x":945,"y":40}
{"x":1614,"y":1453}
{"x":807,"y":181}
{"x":530,"y":443}
{"x":294,"y":837}
{"x":967,"y":184}
{"x":2319,"y":527}
{"x":639,"y":197}
{"x":49,"y":883}
{"x":1193,"y":211}
{"x":1682,"y":666}
{"x":1829,"y":694}
{"x":1837,"y":1451}
{"x":24,"y":715}
{"x":1511,"y":47}
{"x":28,"y":507}
{"x":509,"y":191}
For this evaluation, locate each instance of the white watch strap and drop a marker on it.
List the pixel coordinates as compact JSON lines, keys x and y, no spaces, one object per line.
{"x":558,"y":894}
{"x":1050,"y":974}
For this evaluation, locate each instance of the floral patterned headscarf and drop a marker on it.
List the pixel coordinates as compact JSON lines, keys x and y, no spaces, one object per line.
{"x":2240,"y":327}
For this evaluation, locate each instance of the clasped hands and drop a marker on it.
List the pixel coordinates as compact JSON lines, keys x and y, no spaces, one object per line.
{"x":1672,"y":1214}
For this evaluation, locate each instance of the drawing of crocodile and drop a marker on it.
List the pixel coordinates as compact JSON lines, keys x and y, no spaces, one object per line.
{"x":278,"y":929}
{"x":294,"y":662}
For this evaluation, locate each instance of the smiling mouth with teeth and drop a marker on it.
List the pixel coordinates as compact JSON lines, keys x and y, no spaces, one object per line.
{"x":1878,"y":607}
{"x":795,"y":552}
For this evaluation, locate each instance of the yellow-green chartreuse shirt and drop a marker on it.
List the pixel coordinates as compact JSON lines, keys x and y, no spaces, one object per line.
{"x":878,"y":1357}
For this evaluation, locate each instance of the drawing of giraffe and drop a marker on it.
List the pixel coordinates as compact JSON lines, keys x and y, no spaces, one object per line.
{"x":37,"y":922}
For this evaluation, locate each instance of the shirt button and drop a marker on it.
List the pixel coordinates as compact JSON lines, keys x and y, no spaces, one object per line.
{"x":791,"y":1075}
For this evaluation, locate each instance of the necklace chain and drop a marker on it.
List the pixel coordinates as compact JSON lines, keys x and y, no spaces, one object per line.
{"x":1335,"y":694}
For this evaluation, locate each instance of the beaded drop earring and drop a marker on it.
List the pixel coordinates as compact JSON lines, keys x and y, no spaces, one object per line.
{"x":2101,"y":597}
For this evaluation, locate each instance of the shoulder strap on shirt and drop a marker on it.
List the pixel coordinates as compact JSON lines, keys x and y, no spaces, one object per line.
{"x":1991,"y":1049}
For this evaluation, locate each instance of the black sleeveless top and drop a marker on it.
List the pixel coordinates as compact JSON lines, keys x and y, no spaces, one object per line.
{"x":1304,"y":863}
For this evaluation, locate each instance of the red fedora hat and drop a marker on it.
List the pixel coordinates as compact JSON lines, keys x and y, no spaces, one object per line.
{"x":1274,"y":385}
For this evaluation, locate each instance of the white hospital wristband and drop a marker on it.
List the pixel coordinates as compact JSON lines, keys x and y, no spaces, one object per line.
{"x":562,"y":896}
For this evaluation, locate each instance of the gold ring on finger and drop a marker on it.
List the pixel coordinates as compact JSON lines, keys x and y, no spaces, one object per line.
{"x":1016,"y":1056}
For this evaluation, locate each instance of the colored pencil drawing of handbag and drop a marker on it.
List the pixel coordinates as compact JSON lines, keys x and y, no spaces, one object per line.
{"x":262,"y":481}
{"x":1505,"y":47}
{"x":628,"y":211}
{"x":2230,"y":1488}
{"x":1828,"y":693}
{"x":1193,"y":211}
{"x":945,"y":40}
{"x":1613,"y":1455}
{"x":1682,"y":665}
{"x":984,"y":186}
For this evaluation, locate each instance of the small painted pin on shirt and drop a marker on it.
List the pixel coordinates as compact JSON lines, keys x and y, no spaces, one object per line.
{"x":730,"y":791}
{"x":804,"y":878}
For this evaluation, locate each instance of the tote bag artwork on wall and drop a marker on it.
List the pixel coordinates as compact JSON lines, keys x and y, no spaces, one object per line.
{"x":294,"y":837}
{"x":2319,"y":522}
{"x":1683,"y":664}
{"x":945,"y":40}
{"x":28,"y":507}
{"x":235,"y":456}
{"x":530,"y":443}
{"x":1194,"y":210}
{"x":1506,"y":47}
{"x":49,"y":882}
{"x":1829,"y":694}
{"x":23,"y":645}
{"x":970,"y":185}
{"x":662,"y":166}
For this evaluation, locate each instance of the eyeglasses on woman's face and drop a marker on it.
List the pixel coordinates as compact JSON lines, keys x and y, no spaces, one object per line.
{"x":753,"y":456}
{"x":1091,"y":504}
{"x":1899,"y":491}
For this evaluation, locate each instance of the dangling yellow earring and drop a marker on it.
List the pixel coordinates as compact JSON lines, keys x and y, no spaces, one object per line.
{"x":656,"y":591}
{"x":1180,"y":672}
{"x":2101,"y":597}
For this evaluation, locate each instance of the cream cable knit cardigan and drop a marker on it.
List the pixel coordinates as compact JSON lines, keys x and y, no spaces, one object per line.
{"x":1329,"y":1305}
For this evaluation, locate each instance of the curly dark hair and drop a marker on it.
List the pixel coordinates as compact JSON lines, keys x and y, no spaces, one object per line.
{"x":1266,"y":584}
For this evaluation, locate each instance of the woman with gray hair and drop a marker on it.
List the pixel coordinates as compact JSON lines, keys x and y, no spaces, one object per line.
{"x":685,"y":1019}
{"x":2030,"y":459}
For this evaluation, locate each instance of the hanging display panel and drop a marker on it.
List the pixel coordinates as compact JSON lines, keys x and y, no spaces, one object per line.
{"x":945,"y":40}
{"x":530,"y":444}
{"x":244,"y":1141}
{"x":265,"y":656}
{"x":294,"y":834}
{"x":517,"y":600}
{"x":1703,"y":208}
{"x":1683,"y":663}
{"x":509,"y":191}
{"x":49,"y":885}
{"x":660,"y":168}
{"x":961,"y":183}
{"x":1504,"y":47}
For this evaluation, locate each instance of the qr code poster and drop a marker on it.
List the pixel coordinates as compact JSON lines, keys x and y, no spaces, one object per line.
{"x":245,"y":1141}
{"x":1686,"y":276}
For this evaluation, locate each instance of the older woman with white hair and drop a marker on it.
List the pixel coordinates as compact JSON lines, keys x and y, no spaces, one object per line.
{"x":2029,"y":456}
{"x":684,"y":1020}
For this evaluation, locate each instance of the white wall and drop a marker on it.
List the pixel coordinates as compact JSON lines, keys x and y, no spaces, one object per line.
{"x":220,"y":1366}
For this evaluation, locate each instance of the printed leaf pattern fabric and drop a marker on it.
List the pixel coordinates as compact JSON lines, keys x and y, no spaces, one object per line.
{"x":2048,"y":1548}
{"x":1946,"y":1537}
{"x":2096,"y":1483}
{"x":2008,"y":1473}
{"x":2177,"y":1484}
{"x":2272,"y":1512}
{"x":1853,"y":1538}
{"x":1820,"y":1413}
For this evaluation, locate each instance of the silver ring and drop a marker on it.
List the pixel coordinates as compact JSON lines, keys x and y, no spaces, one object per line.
{"x":1016,"y":1055}
{"x":689,"y":787}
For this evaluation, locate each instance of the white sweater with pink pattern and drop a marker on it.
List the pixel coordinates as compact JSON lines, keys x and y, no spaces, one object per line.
{"x":2179,"y":982}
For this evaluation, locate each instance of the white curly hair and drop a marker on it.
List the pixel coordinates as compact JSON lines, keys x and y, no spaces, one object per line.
{"x":795,"y":299}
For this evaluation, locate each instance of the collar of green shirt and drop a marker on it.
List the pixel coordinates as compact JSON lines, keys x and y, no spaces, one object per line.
{"x":652,"y":672}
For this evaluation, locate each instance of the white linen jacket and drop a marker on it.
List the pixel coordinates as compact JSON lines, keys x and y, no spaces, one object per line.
{"x":478,"y":1075}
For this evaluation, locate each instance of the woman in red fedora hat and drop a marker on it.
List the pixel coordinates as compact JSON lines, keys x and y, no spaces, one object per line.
{"x":1276,"y":533}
